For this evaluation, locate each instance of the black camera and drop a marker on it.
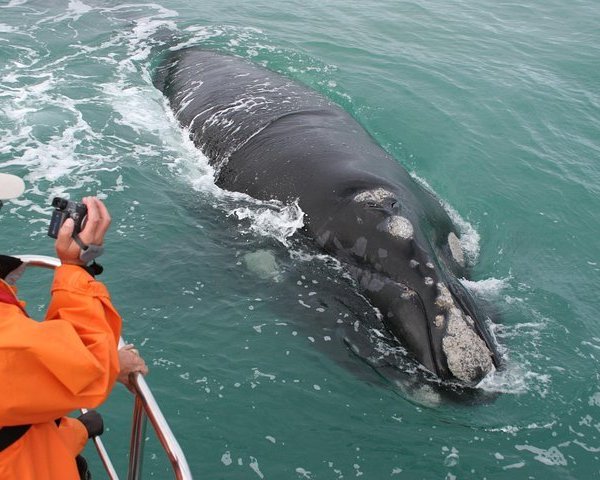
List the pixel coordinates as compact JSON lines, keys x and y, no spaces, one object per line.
{"x":64,"y":209}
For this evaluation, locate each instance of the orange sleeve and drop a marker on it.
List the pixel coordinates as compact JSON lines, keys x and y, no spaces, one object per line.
{"x":73,"y":434}
{"x":68,"y":361}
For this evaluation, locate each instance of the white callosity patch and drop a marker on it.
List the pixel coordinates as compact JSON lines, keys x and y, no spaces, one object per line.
{"x":375,"y":196}
{"x":456,"y":249}
{"x":360,"y":247}
{"x":371,"y":281}
{"x":322,"y":238}
{"x":466,"y":353}
{"x":397,"y":226}
{"x":444,"y":299}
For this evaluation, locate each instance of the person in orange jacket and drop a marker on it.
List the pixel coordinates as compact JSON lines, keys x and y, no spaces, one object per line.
{"x":68,"y":361}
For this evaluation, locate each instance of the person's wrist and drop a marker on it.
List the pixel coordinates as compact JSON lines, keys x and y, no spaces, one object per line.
{"x":78,"y":262}
{"x":92,"y":268}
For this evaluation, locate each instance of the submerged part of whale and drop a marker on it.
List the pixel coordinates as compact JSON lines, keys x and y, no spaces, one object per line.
{"x":272,"y":138}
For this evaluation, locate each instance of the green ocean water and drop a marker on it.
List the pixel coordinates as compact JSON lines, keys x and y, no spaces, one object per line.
{"x":494,"y":105}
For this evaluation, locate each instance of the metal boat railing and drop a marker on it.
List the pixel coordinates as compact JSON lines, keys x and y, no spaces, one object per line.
{"x":145,"y":407}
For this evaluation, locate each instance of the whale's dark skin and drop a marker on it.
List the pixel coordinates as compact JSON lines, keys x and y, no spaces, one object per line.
{"x":272,"y":138}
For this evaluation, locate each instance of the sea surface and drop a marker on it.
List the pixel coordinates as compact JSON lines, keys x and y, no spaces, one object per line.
{"x":495,"y":105}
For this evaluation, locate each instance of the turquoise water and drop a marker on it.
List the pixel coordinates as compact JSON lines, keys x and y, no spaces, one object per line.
{"x":494,"y":105}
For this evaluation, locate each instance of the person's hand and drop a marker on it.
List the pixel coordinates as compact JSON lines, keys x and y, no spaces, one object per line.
{"x":130,"y":362}
{"x":93,"y":423}
{"x":96,"y":225}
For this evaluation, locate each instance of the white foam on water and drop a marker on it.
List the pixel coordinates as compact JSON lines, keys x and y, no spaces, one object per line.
{"x":274,"y":219}
{"x":6,"y":28}
{"x":197,"y":35}
{"x":63,"y":157}
{"x":254,"y":466}
{"x":594,"y":400}
{"x":78,"y":8}
{"x":75,"y":10}
{"x":518,"y":373}
{"x":551,"y":456}
{"x":509,"y":380}
{"x":304,"y":473}
{"x":515,"y":377}
{"x":14,"y":3}
{"x":489,"y":288}
{"x":226,"y":458}
{"x":139,"y":40}
{"x":69,"y":151}
{"x":139,"y":107}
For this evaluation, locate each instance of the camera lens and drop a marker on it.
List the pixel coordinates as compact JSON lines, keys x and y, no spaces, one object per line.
{"x":59,"y":203}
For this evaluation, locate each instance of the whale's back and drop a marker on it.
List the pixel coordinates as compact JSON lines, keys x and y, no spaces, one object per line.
{"x":249,"y":120}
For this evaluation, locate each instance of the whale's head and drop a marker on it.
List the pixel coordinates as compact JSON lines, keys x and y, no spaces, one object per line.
{"x":407,"y":257}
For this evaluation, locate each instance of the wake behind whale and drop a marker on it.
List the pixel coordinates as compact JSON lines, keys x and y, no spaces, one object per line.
{"x":272,"y":138}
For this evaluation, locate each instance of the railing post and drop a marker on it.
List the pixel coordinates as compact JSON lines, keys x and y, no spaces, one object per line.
{"x":103,"y":454}
{"x":138,"y":434}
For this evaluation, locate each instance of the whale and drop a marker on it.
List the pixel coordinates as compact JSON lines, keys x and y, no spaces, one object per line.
{"x":272,"y":138}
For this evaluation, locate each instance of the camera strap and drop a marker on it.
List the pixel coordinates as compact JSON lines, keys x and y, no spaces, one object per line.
{"x":79,"y":241}
{"x":88,"y":252}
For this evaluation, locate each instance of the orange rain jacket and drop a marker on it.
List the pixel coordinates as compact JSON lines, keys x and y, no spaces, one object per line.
{"x":50,"y":368}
